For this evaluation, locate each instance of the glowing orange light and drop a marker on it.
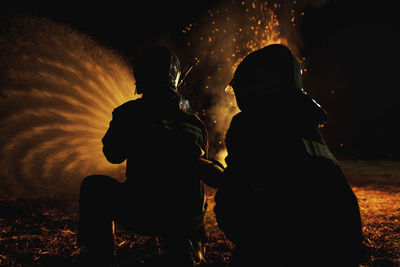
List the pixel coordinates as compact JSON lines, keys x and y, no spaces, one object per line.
{"x":61,"y":89}
{"x":252,"y":25}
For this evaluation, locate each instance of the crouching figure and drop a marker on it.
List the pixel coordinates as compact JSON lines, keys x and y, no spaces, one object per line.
{"x":283,"y":199}
{"x":165,"y":147}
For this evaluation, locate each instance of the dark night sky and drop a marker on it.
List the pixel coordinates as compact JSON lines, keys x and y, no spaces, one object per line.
{"x":350,"y":46}
{"x":353,"y":50}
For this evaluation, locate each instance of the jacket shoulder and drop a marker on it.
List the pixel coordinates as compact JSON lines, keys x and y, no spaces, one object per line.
{"x":128,"y":106}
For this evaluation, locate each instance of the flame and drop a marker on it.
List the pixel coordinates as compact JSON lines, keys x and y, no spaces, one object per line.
{"x":59,"y":87}
{"x":224,"y":38}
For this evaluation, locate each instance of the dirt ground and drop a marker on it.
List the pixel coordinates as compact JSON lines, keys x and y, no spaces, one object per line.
{"x":377,"y":187}
{"x":42,"y":231}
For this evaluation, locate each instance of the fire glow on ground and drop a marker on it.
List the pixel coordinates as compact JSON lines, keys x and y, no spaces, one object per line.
{"x":50,"y":138}
{"x":42,"y":231}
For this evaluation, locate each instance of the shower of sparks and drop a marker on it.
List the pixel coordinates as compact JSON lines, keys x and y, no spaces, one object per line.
{"x":59,"y":87}
{"x":223,"y":38}
{"x":58,"y":90}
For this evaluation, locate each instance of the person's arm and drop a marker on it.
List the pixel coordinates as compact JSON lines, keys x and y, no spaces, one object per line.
{"x":211,"y":172}
{"x":116,"y":140}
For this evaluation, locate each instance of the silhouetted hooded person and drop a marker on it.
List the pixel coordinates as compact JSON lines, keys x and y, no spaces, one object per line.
{"x":283,"y":200}
{"x":165,"y":147}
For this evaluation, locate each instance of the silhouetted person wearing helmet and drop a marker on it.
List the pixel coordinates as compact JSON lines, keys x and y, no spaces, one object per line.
{"x":166,"y":149}
{"x":283,"y":200}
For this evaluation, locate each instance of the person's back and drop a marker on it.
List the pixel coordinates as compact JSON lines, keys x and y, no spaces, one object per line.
{"x":163,"y":194}
{"x":162,"y":149}
{"x":284,"y":200}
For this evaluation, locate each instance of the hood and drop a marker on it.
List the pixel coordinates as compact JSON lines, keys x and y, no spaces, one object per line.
{"x":295,"y":110}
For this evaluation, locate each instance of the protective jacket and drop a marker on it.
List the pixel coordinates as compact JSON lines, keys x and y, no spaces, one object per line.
{"x":165,"y":147}
{"x":283,"y":195}
{"x":162,"y":146}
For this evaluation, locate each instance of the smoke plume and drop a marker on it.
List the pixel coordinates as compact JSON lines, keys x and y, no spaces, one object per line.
{"x":222,"y":38}
{"x":58,"y":88}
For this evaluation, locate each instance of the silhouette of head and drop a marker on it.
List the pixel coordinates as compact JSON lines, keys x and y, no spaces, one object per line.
{"x":267,"y":72}
{"x":157,"y":69}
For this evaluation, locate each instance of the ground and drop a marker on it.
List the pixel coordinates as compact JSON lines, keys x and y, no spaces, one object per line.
{"x":42,"y":231}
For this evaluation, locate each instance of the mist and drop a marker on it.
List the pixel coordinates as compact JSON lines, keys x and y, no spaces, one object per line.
{"x":58,"y":90}
{"x":59,"y":87}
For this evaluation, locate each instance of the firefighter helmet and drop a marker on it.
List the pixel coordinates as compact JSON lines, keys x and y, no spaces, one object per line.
{"x":268,"y":71}
{"x":159,"y":67}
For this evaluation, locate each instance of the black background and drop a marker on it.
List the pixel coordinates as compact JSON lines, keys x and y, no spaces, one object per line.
{"x":351,"y":49}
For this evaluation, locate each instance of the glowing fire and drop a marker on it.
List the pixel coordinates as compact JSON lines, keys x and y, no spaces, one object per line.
{"x":222,"y":40}
{"x":59,"y":87}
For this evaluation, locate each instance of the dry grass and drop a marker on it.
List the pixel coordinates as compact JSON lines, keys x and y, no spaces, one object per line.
{"x":42,"y":231}
{"x":377,"y":187}
{"x":380,"y":212}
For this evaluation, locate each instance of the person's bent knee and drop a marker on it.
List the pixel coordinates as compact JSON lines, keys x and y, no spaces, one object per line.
{"x":97,"y":180}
